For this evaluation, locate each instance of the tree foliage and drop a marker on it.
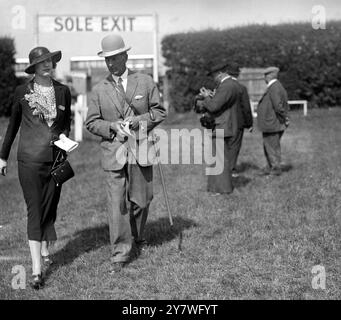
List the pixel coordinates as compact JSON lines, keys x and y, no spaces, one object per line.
{"x":309,"y":60}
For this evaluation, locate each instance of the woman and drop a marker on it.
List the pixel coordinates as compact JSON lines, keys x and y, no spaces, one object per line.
{"x":41,"y":108}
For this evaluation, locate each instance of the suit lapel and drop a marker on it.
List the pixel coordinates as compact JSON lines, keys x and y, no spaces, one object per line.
{"x":131,"y":88}
{"x":112,"y":93}
{"x":58,"y":91}
{"x":264,"y":94}
{"x":268,"y":88}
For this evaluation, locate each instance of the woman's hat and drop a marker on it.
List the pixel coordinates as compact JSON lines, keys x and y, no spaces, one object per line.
{"x":111,"y":45}
{"x":40,"y":54}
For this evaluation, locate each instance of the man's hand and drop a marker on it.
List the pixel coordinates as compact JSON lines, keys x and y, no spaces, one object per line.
{"x":116,"y":126}
{"x":134,"y":121}
{"x":287,"y":122}
{"x":206,"y":92}
{"x":3,"y":167}
{"x":250,"y":129}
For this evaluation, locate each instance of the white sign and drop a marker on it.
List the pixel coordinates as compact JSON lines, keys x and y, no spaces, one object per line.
{"x":119,"y":23}
{"x":19,"y":17}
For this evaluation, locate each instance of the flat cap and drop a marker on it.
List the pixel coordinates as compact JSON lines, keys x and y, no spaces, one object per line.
{"x":271,"y":70}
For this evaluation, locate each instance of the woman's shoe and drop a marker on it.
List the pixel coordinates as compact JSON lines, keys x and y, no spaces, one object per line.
{"x":37,"y":281}
{"x":47,"y":261}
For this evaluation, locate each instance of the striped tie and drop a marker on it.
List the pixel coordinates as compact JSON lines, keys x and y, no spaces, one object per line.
{"x":120,"y":87}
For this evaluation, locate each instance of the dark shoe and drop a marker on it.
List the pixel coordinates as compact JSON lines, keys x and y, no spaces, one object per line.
{"x":117,"y":267}
{"x":37,"y":281}
{"x":141,"y":244}
{"x":264,"y":172}
{"x":276,"y":172}
{"x":47,"y":261}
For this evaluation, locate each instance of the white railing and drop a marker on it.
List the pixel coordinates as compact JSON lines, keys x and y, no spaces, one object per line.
{"x":304,"y":102}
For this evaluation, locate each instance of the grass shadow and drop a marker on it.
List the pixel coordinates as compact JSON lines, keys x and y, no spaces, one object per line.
{"x":160,"y":231}
{"x":93,"y":238}
{"x":240,"y":182}
{"x":82,"y":241}
{"x":286,"y":167}
{"x":245,"y":166}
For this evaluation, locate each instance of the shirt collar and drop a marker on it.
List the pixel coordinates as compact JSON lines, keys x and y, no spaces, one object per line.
{"x":271,"y":82}
{"x":124,"y":76}
{"x":223,"y":79}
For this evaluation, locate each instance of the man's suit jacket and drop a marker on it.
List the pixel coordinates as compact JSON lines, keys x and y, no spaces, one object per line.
{"x":272,"y":109}
{"x":244,"y":113}
{"x":223,"y":106}
{"x":105,"y":106}
{"x":35,"y":135}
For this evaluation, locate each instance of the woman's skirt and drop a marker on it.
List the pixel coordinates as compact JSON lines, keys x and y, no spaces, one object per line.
{"x":41,"y":196}
{"x":222,"y":182}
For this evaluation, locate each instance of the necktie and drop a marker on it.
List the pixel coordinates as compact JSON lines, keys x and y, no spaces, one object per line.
{"x":120,"y":86}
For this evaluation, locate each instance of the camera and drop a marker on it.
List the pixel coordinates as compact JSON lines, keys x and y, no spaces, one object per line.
{"x":206,"y":119}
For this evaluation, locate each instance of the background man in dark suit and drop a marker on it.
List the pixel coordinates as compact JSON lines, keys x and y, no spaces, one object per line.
{"x":272,"y":115}
{"x":124,"y":97}
{"x":244,"y":119}
{"x":222,"y":106}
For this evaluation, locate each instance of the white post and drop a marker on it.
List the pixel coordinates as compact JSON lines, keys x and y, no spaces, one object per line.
{"x":36,"y":31}
{"x":155,"y":50}
{"x":80,"y":106}
{"x":305,"y":108}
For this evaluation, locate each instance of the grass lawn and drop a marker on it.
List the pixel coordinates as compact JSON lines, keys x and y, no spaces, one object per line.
{"x":261,"y":242}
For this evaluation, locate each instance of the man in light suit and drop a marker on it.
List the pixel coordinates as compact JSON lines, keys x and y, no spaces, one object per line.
{"x":272,"y":118}
{"x":222,"y":107}
{"x":124,"y":97}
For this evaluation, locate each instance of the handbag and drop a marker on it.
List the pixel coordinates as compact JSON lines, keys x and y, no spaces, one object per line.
{"x":61,"y":170}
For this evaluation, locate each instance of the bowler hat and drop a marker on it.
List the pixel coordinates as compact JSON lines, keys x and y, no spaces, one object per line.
{"x":271,"y":70}
{"x":40,"y":54}
{"x":111,"y":45}
{"x":230,"y":67}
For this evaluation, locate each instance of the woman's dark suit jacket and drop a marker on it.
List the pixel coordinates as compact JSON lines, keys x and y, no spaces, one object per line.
{"x":35,"y":135}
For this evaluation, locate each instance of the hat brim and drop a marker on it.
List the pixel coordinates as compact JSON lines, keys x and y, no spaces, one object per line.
{"x":272,"y":70}
{"x":55,"y":56}
{"x":211,"y":72}
{"x":112,"y":53}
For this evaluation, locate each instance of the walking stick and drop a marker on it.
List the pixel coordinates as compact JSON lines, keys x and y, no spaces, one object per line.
{"x":164,"y":189}
{"x":152,"y":117}
{"x":161,"y":175}
{"x":166,"y":196}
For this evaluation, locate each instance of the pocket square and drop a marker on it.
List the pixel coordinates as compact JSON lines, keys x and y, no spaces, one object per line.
{"x":138,"y":97}
{"x":61,"y":107}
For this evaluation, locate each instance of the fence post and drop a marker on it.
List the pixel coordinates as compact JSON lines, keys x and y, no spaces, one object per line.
{"x":305,"y":108}
{"x":80,"y":115}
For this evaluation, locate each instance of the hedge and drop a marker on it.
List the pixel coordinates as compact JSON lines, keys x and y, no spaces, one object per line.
{"x":8,"y":80}
{"x":309,"y":60}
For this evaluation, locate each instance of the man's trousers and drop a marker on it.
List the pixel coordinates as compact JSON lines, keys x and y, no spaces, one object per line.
{"x":129,"y":192}
{"x":272,"y":148}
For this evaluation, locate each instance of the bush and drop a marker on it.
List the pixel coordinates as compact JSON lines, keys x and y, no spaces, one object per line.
{"x":309,"y":59}
{"x":8,"y":80}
